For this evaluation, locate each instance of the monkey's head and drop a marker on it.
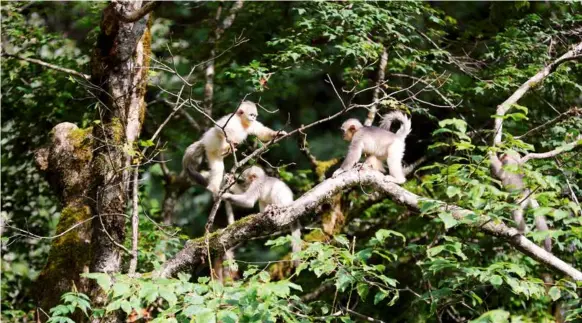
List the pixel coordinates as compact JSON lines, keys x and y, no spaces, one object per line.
{"x":510,"y":157}
{"x":349,"y":128}
{"x":247,"y":111}
{"x":252,"y":173}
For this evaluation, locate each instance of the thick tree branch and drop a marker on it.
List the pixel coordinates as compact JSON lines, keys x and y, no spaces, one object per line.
{"x":195,"y":251}
{"x":139,"y":13}
{"x":533,"y":81}
{"x":51,"y":66}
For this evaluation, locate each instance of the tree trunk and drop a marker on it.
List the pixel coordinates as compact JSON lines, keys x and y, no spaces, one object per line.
{"x":66,"y":165}
{"x":120,"y":65}
{"x":90,"y":169}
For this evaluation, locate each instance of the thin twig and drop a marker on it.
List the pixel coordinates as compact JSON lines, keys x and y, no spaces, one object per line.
{"x":51,"y":66}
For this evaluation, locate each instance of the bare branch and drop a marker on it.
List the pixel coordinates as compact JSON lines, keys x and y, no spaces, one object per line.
{"x":134,"y":222}
{"x":553,"y":153}
{"x":190,"y":119}
{"x":379,"y":81}
{"x":51,"y":66}
{"x":574,"y":110}
{"x":272,"y":220}
{"x":533,"y":81}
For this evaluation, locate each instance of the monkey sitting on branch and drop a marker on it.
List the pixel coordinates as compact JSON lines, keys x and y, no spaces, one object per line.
{"x":219,"y":141}
{"x":268,"y":191}
{"x":379,"y":143}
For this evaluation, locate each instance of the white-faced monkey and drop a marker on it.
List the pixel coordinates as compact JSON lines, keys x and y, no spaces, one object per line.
{"x":379,"y":143}
{"x":215,"y":144}
{"x":268,"y":191}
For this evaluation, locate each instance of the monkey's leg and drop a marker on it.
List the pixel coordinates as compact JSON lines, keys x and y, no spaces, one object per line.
{"x":524,"y":201}
{"x":396,"y":172}
{"x":374,"y":163}
{"x":541,"y":224}
{"x":216,"y":164}
{"x":394,"y":161}
{"x":296,"y":242}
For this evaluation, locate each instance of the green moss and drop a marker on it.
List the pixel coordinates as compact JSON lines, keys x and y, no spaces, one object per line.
{"x":69,"y":255}
{"x":316,"y":235}
{"x":323,"y":166}
{"x":116,"y":128}
{"x":83,"y":143}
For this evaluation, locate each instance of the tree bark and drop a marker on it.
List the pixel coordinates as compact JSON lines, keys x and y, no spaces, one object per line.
{"x":65,"y":162}
{"x":90,"y":169}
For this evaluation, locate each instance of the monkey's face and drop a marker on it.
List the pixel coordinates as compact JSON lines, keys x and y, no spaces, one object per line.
{"x":510,"y":158}
{"x":250,"y":178}
{"x":349,"y":128}
{"x":247,"y":111}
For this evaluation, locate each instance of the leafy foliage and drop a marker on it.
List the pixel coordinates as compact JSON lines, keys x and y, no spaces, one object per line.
{"x":452,"y":64}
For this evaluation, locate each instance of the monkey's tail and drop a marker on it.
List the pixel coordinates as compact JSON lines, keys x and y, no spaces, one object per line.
{"x":192,"y":160}
{"x":405,"y":124}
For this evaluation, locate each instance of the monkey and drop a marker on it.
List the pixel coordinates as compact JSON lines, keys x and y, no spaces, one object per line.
{"x":215,"y":144}
{"x":268,"y":191}
{"x":379,"y":143}
{"x":513,"y":182}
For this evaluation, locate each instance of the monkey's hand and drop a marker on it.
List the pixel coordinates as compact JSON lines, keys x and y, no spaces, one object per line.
{"x":280,"y":133}
{"x":227,"y":196}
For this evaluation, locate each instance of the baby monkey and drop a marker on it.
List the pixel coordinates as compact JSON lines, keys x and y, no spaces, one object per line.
{"x":268,"y":191}
{"x":378,"y":143}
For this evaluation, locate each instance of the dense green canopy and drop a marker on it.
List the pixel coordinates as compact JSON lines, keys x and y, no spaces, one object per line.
{"x":95,"y":94}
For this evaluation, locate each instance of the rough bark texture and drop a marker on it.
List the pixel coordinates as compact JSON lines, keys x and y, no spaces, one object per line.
{"x":119,"y":66}
{"x":89,"y":168}
{"x":194,"y":253}
{"x":65,"y":162}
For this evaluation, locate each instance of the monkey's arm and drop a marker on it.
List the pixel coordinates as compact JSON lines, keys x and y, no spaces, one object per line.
{"x":264,"y":133}
{"x":353,"y":156}
{"x":247,"y":199}
{"x":237,"y":189}
{"x":496,"y":166}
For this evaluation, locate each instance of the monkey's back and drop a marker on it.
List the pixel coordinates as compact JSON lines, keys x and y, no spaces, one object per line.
{"x":375,"y":141}
{"x":276,"y":192}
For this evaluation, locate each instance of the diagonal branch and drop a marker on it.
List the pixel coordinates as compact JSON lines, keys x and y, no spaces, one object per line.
{"x":502,"y":109}
{"x":571,"y":111}
{"x":195,"y":251}
{"x":553,"y":153}
{"x":51,"y":66}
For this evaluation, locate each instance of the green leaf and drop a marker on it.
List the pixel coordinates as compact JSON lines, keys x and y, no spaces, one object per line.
{"x":459,"y":124}
{"x":453,"y":190}
{"x":227,"y":316}
{"x":126,"y":306}
{"x":560,"y":214}
{"x":341,"y":239}
{"x":542,"y":211}
{"x":103,"y":280}
{"x":363,"y":290}
{"x":496,"y":280}
{"x":146,"y":143}
{"x":554,"y":293}
{"x":121,"y":289}
{"x":169,"y":296}
{"x":380,"y":295}
{"x":447,"y":219}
